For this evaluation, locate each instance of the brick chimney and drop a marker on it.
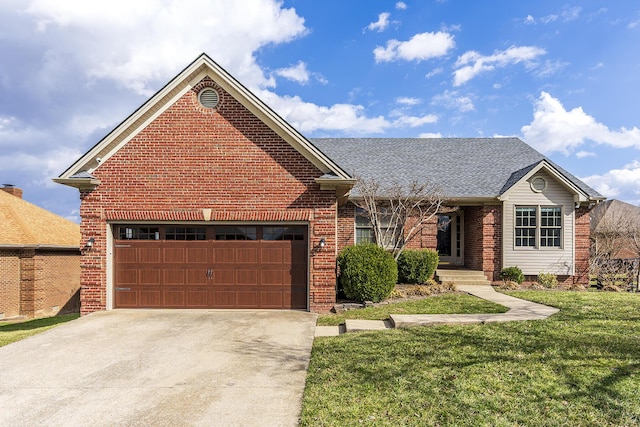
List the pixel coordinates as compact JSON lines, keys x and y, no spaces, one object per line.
{"x":11,"y":189}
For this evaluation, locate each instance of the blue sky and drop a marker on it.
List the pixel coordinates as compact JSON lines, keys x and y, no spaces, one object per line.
{"x":564,"y":77}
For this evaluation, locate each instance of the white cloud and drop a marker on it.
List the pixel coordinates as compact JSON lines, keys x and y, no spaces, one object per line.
{"x":401,"y":5}
{"x":554,"y":129}
{"x":381,"y":24}
{"x":434,"y":72}
{"x":405,"y":100}
{"x":297,"y":73}
{"x":571,"y":13}
{"x":471,"y":63}
{"x":309,"y":117}
{"x":147,"y":41}
{"x":453,"y":101}
{"x":618,"y":183}
{"x":529,"y":20}
{"x":420,"y":47}
{"x":430,"y":135}
{"x":415,"y":121}
{"x":582,"y":154}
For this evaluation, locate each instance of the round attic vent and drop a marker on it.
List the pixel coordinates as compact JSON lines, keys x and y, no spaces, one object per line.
{"x":208,"y":98}
{"x":538,"y":184}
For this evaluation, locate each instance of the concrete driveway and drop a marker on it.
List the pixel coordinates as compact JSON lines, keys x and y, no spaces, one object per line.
{"x":160,"y":367}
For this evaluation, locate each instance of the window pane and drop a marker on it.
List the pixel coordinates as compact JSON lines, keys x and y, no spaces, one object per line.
{"x":525,"y":227}
{"x":139,"y":233}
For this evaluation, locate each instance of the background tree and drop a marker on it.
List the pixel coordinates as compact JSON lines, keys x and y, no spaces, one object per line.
{"x":398,"y":212}
{"x":615,"y":242}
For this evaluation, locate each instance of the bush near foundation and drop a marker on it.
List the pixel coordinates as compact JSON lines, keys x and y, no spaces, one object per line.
{"x":417,"y":266}
{"x":513,"y":274}
{"x":367,"y":272}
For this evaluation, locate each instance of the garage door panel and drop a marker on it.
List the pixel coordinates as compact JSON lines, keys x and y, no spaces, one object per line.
{"x":247,"y":299}
{"x":224,"y":277}
{"x":197,"y":255}
{"x":196,"y":277}
{"x":224,"y":255}
{"x":150,"y":298}
{"x":149,"y":277}
{"x":174,"y":255}
{"x":247,"y":277}
{"x":174,"y":277}
{"x":273,"y":277}
{"x":273,"y":299}
{"x":272,"y":254}
{"x":212,"y":273}
{"x":149,"y":255}
{"x":173,"y":299}
{"x":127,"y":277}
{"x":224,"y":298}
{"x":246,"y":255}
{"x":126,"y":255}
{"x":126,"y":298}
{"x":197,"y":299}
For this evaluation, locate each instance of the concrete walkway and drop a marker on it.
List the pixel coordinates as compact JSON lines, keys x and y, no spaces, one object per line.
{"x":518,"y":310}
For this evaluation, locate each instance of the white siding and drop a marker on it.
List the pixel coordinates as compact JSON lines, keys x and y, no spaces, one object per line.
{"x":539,"y":260}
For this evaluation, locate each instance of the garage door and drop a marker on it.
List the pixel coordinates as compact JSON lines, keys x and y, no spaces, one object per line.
{"x":210,"y":267}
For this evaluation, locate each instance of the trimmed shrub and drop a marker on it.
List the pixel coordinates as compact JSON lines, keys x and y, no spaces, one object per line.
{"x":417,"y":266}
{"x":548,"y":280}
{"x":367,"y":272}
{"x":513,"y":274}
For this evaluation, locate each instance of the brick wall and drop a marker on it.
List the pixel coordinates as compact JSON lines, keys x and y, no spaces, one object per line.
{"x":190,"y":158}
{"x":346,"y":225}
{"x":36,"y":283}
{"x":483,"y":239}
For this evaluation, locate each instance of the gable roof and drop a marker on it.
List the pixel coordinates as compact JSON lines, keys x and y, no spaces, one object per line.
{"x":464,"y":168}
{"x":23,"y":224}
{"x":79,"y":173}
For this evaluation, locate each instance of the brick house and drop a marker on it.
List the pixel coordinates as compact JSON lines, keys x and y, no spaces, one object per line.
{"x":39,"y":259}
{"x":205,"y":197}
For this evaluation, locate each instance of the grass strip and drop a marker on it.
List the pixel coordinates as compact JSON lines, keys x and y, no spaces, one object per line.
{"x":11,"y":332}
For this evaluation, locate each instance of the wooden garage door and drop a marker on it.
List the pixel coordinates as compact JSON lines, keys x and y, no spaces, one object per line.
{"x":210,"y":267}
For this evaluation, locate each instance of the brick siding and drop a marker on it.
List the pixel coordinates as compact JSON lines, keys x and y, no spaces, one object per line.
{"x":483,"y":239}
{"x":227,"y":160}
{"x":38,"y":283}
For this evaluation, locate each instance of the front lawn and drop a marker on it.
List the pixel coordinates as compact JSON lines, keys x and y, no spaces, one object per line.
{"x":11,"y":332}
{"x":580,"y":367}
{"x":437,"y":304}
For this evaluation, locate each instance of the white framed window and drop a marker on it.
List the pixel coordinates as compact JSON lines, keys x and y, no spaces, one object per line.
{"x":538,"y":227}
{"x":366,"y":234}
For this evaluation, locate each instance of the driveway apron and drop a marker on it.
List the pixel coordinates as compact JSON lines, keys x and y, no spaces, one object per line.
{"x":160,"y":367}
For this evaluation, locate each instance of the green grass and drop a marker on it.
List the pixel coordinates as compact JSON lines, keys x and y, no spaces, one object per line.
{"x":438,"y":304}
{"x":580,"y":367}
{"x":12,"y":332}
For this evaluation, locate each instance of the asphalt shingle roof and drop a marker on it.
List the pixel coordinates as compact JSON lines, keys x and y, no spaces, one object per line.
{"x":25,"y":224}
{"x":462,"y":167}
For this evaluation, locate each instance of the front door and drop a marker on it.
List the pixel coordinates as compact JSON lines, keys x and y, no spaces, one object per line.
{"x":450,"y":239}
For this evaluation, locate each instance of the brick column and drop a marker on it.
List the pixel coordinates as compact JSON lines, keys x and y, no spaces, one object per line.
{"x":582,"y":245}
{"x":27,"y":282}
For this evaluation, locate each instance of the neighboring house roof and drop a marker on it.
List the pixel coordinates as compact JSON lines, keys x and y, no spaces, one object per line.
{"x":614,"y":214}
{"x":79,"y":174}
{"x":464,"y":168}
{"x":23,"y":224}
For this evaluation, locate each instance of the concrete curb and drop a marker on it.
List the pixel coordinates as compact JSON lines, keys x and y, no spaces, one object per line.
{"x":519,"y":310}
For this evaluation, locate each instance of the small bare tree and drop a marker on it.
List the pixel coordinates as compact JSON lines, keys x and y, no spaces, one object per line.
{"x":615,"y":248}
{"x":398,"y":212}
